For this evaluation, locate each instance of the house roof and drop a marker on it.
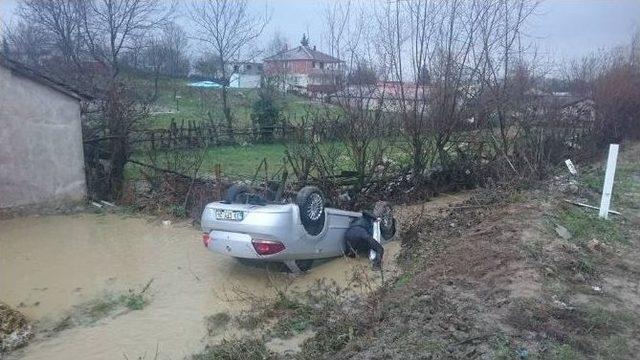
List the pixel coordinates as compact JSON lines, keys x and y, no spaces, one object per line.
{"x":30,"y":73}
{"x":303,"y":53}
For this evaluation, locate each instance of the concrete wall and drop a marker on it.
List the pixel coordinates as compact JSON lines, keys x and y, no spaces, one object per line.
{"x":247,"y":81}
{"x":41,"y":160}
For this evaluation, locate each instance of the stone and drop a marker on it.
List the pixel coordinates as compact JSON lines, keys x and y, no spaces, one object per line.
{"x":596,"y":246}
{"x":563,"y":232}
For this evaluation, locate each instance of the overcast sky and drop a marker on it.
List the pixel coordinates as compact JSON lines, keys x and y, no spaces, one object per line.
{"x":563,"y":28}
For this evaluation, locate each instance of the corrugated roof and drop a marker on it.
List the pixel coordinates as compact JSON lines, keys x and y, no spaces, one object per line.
{"x":303,"y":53}
{"x":26,"y":71}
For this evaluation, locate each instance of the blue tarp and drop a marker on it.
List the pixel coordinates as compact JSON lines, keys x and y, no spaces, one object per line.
{"x":206,"y":84}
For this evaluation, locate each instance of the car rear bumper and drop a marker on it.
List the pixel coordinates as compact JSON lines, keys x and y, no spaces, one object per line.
{"x":232,"y":244}
{"x":240,"y":245}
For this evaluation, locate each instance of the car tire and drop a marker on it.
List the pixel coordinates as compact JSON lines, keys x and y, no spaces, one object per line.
{"x":310,"y":201}
{"x":384,"y":211}
{"x":390,"y":231}
{"x":237,"y":194}
{"x":242,"y":194}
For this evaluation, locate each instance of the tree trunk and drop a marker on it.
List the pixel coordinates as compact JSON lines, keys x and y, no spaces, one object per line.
{"x":227,"y":114}
{"x":155,"y":85}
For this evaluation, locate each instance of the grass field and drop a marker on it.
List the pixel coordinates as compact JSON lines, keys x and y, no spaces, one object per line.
{"x":241,"y":161}
{"x":194,"y":104}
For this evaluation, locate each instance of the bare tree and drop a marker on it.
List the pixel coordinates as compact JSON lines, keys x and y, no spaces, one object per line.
{"x":164,"y":54}
{"x":443,"y":56}
{"x":227,"y":27}
{"x":110,"y":25}
{"x":28,"y":43}
{"x":61,"y":20}
{"x":176,"y":42}
{"x":154,"y":58}
{"x":277,"y":44}
{"x":336,"y":18}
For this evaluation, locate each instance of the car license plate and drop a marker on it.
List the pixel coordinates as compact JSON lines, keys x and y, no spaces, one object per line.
{"x":229,"y":215}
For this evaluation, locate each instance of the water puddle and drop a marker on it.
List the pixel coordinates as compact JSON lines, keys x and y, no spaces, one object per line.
{"x":51,"y":264}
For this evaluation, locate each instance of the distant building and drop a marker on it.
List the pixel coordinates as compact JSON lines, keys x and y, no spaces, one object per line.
{"x":41,"y":153}
{"x":391,"y":96}
{"x":245,"y":75}
{"x":306,"y":70}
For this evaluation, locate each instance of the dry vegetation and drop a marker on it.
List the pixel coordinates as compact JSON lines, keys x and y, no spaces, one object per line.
{"x":486,"y":278}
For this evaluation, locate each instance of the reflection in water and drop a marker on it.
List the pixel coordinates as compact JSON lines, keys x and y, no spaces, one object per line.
{"x":49,"y":264}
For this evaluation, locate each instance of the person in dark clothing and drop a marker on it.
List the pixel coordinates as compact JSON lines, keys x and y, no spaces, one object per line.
{"x":359,"y":238}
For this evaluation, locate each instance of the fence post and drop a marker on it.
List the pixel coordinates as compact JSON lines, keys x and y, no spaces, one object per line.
{"x":153,"y":140}
{"x":609,"y":174}
{"x":218,"y":172}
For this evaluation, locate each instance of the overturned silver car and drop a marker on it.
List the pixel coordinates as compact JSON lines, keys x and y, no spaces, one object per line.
{"x":295,"y":233}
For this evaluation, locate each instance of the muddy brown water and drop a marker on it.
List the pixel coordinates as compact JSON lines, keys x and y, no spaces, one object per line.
{"x":48,"y":264}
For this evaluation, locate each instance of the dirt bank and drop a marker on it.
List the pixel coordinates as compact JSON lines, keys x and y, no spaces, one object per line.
{"x":496,"y":278}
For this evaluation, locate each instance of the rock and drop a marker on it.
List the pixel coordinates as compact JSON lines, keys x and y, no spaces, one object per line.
{"x":573,"y":188}
{"x":596,"y":246}
{"x":548,"y":271}
{"x":579,"y":278}
{"x":563,"y":232}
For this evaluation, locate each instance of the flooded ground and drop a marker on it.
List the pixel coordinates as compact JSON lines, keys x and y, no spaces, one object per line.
{"x":49,"y":264}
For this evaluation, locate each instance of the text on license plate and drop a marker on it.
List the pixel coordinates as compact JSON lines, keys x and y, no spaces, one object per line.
{"x":232,"y":215}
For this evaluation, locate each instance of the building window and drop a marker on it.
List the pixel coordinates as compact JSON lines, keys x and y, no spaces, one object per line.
{"x":248,"y":66}
{"x":235,"y":68}
{"x":313,"y":64}
{"x":321,"y":65}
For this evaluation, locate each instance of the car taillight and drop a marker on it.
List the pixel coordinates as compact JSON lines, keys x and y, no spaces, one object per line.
{"x":206,"y":239}
{"x":266,"y":247}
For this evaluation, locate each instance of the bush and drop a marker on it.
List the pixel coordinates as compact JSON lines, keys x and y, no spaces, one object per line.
{"x":265,"y":113}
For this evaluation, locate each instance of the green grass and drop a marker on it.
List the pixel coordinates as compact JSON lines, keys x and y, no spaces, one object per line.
{"x":584,"y":225}
{"x":608,"y":321}
{"x":238,"y":162}
{"x":245,"y":348}
{"x":107,"y":305}
{"x":217,"y":322}
{"x":402,"y":280}
{"x":242,"y":161}
{"x":626,"y":186}
{"x":195,"y":104}
{"x":502,"y":349}
{"x":564,"y":352}
{"x":295,"y":316}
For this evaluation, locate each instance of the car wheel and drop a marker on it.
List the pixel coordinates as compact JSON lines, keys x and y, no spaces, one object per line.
{"x":242,"y":194}
{"x":237,"y":194}
{"x":310,"y":201}
{"x":384,"y":211}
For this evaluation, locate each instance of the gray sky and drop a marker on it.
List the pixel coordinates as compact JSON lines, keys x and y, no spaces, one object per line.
{"x":563,"y":28}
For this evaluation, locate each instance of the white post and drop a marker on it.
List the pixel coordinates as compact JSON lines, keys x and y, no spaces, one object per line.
{"x":607,"y":189}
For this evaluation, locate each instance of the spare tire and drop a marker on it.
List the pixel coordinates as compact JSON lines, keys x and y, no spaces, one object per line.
{"x":384,"y":212}
{"x":310,"y":201}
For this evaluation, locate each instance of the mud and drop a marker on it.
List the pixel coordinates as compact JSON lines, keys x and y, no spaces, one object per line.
{"x":50,"y":264}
